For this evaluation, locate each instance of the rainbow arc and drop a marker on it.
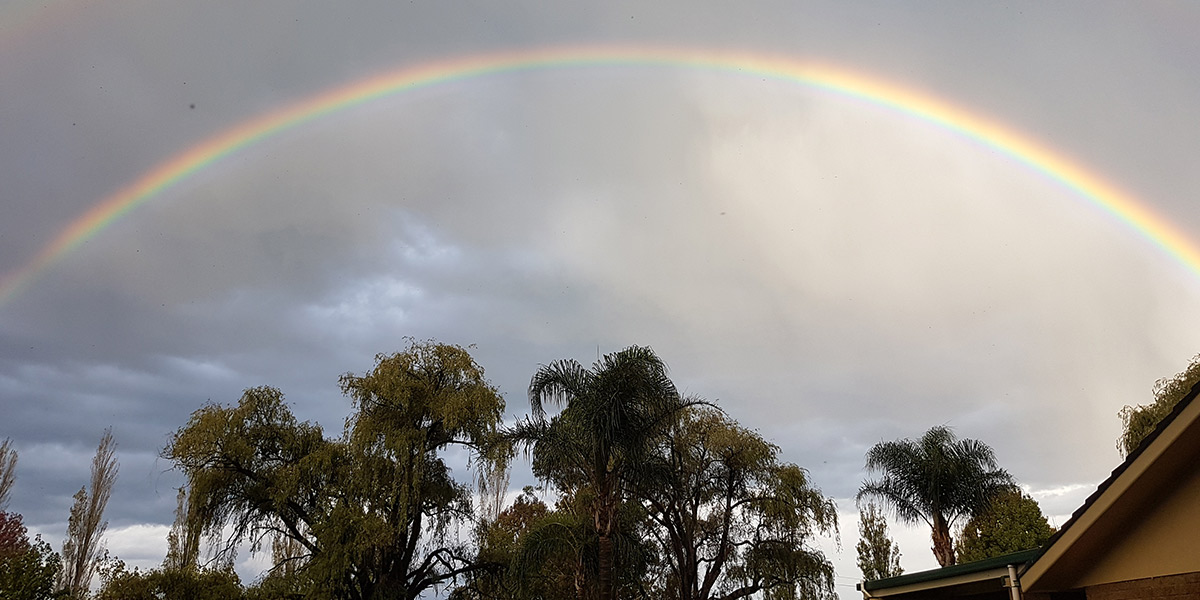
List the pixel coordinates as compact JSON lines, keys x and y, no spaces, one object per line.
{"x":1036,"y":156}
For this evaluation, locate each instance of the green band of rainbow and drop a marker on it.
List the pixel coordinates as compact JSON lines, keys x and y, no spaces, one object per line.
{"x":1024,"y":150}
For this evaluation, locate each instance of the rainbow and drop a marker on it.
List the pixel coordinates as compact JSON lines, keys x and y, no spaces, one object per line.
{"x":1025,"y":150}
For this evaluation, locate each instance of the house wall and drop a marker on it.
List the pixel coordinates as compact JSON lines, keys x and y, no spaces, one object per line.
{"x":1171,"y":587}
{"x":1160,"y":539}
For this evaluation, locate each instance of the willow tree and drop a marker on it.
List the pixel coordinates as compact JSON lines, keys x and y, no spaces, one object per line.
{"x":611,"y":416}
{"x":1138,"y":421}
{"x":730,"y":518}
{"x":937,"y":479}
{"x":374,"y":512}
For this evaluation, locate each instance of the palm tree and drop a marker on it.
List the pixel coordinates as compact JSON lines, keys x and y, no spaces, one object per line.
{"x":611,"y":415}
{"x":937,"y":479}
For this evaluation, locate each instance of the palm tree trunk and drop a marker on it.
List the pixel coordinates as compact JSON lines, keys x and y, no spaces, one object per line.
{"x":605,"y":567}
{"x":606,"y":527}
{"x":943,"y":544}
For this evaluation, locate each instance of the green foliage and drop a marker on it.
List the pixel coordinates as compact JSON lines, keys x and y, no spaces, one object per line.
{"x":1140,"y":420}
{"x":937,"y":479}
{"x":171,"y":584}
{"x":878,"y":555}
{"x":612,"y":415}
{"x":730,"y":519}
{"x":1012,"y":522}
{"x":372,"y":512}
{"x":530,"y":552}
{"x":287,"y":578}
{"x":28,"y":569}
{"x":183,"y":541}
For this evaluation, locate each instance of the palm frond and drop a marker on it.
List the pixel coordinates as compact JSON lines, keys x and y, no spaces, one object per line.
{"x":558,"y":382}
{"x":936,"y":475}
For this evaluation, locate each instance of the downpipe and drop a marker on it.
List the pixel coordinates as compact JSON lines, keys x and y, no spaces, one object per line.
{"x":1014,"y":583}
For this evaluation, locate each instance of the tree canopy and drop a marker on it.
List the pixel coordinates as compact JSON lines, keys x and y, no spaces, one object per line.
{"x":936,"y":479}
{"x":654,"y":496}
{"x":28,"y":568}
{"x":1011,"y":522}
{"x":878,"y":555}
{"x":1139,"y":420}
{"x":610,"y":418}
{"x":534,"y":552}
{"x":374,"y":510}
{"x":171,"y":584}
{"x":729,"y":518}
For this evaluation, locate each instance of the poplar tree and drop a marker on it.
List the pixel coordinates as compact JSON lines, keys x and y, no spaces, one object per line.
{"x":82,"y":548}
{"x":878,"y":555}
{"x":8,"y":471}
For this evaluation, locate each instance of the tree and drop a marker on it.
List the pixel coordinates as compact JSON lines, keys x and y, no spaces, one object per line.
{"x":375,"y":511}
{"x":878,"y":555}
{"x":287,"y":578}
{"x":82,"y":548}
{"x":14,"y":538}
{"x":730,"y":519}
{"x":183,"y":541}
{"x":181,"y":576}
{"x":8,"y":471}
{"x":1012,"y":522}
{"x":526,"y":555}
{"x":1138,"y":421}
{"x":220,"y":583}
{"x":937,"y":479}
{"x":611,"y":416}
{"x":28,"y":569}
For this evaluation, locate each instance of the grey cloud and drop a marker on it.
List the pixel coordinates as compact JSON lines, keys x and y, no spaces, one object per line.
{"x":833,"y":273}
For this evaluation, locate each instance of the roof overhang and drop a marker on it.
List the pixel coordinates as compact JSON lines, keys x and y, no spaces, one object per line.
{"x":959,"y":580}
{"x":1152,"y":467}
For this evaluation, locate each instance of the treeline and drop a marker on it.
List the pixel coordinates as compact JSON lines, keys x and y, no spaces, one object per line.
{"x":651,"y":494}
{"x":31,"y":569}
{"x":644,"y":493}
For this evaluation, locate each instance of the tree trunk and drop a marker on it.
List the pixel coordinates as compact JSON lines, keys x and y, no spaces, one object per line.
{"x":606,"y":524}
{"x":943,"y":544}
{"x":604,"y":565}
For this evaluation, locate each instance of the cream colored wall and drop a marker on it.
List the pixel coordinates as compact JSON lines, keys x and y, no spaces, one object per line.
{"x":1162,"y":539}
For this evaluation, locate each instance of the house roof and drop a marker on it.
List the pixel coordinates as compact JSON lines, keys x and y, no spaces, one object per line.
{"x":1176,"y":437}
{"x":1105,"y":512}
{"x":954,"y":575}
{"x":1121,"y":468}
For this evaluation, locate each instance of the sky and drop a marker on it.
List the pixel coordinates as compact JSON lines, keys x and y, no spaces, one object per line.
{"x":769,"y":194}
